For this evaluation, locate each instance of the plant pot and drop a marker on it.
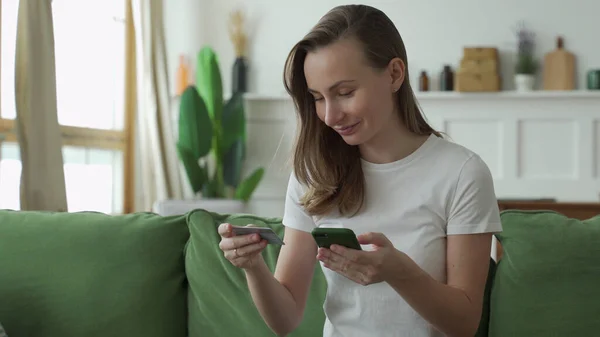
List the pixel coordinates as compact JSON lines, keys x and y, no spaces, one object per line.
{"x":524,"y":82}
{"x":239,"y":75}
{"x":178,"y":207}
{"x":593,"y":79}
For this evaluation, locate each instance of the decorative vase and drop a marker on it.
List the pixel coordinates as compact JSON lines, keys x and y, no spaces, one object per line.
{"x":593,"y":79}
{"x":239,"y":80}
{"x":447,"y":79}
{"x":424,"y":81}
{"x":524,"y":82}
{"x":182,"y":76}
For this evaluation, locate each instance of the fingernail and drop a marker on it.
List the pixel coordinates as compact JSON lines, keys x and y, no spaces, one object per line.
{"x":256,"y":237}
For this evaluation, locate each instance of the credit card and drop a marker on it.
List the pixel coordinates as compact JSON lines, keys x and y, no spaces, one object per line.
{"x":265,"y":232}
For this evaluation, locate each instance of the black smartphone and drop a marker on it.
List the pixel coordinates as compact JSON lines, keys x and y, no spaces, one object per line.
{"x":325,"y":237}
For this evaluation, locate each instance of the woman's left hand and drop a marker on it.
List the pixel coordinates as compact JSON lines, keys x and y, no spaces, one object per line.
{"x":363,"y":267}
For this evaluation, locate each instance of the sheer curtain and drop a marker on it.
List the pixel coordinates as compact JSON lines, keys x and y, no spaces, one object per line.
{"x":159,"y":167}
{"x":38,"y":131}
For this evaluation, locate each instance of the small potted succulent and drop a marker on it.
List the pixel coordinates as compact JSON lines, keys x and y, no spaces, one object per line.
{"x":527,"y":64}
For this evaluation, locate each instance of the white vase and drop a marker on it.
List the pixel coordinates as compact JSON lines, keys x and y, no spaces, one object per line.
{"x":178,"y":207}
{"x":524,"y":82}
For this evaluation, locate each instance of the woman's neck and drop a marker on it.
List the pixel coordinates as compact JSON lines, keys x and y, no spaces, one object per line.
{"x":392,"y":144}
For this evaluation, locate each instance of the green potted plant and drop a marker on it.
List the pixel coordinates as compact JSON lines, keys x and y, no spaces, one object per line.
{"x":527,"y":65}
{"x":212,"y":138}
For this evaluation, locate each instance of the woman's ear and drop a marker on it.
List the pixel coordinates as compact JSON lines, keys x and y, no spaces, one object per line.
{"x":397,"y":70}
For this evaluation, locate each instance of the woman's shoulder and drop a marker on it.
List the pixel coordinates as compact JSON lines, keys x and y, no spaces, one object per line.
{"x":448,"y":149}
{"x":454,"y":155}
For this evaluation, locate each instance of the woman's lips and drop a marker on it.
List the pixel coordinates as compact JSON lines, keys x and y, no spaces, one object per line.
{"x":347,"y":130}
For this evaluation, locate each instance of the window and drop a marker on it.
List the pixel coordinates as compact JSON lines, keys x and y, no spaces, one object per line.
{"x":90,"y":77}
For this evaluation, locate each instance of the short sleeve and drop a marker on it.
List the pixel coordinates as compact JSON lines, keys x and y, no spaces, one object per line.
{"x":294,"y":215}
{"x":474,"y":208}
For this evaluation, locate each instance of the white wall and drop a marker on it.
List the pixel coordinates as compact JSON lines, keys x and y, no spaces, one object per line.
{"x":185,"y":31}
{"x":434,"y":31}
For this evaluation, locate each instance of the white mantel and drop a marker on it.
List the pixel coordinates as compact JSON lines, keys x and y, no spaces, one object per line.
{"x":537,"y":145}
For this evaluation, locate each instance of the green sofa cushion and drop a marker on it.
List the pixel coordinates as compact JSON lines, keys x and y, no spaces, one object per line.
{"x":90,"y":274}
{"x":218,"y":298}
{"x":484,"y":322}
{"x":548,"y":280}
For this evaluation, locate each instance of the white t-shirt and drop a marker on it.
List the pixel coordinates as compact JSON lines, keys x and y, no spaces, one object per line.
{"x":440,"y":189}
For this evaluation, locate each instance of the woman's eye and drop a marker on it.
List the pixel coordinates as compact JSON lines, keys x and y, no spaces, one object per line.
{"x":346,"y":93}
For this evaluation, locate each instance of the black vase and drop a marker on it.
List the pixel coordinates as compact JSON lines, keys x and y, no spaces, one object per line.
{"x":239,"y":80}
{"x":447,"y":79}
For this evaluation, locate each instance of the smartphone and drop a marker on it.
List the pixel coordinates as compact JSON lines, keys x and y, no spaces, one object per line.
{"x":325,"y":237}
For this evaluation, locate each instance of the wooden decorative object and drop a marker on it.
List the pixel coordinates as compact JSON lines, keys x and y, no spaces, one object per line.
{"x":559,"y":68}
{"x":466,"y":82}
{"x":480,"y":53}
{"x":479,"y":70}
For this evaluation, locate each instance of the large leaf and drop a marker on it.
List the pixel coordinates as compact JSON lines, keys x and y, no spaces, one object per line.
{"x":233,"y":122}
{"x":232,"y":164}
{"x":209,"y":191}
{"x":212,"y":189}
{"x":195,"y":126}
{"x":247,"y":187}
{"x":197,"y":175}
{"x":209,"y":83}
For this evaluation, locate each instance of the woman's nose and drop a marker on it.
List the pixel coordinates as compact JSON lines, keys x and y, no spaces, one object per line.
{"x":333,"y":114}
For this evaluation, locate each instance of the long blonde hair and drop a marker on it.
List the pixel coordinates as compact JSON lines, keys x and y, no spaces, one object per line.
{"x":329,"y":168}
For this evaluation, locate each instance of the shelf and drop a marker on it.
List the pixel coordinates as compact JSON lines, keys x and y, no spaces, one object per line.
{"x":436,"y":95}
{"x":266,"y":97}
{"x":453,"y":95}
{"x":537,"y":94}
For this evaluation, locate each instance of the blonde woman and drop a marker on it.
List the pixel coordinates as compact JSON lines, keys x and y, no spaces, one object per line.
{"x":366,"y":159}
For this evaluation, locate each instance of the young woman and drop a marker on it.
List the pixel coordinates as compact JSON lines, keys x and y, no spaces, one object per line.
{"x":366,"y":159}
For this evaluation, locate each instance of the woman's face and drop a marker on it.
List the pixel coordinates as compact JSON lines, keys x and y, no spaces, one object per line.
{"x":351,"y":97}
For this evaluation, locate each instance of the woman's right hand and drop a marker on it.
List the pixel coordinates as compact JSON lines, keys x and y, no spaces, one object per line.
{"x":242,"y":251}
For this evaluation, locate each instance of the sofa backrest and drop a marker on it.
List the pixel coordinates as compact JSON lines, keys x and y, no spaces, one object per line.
{"x":219,"y":300}
{"x":484,"y":322}
{"x":547,"y":282}
{"x":90,"y":274}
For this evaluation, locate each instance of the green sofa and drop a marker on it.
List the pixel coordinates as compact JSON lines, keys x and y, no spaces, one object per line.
{"x":91,"y":274}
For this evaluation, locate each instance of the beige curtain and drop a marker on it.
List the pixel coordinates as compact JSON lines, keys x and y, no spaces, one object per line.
{"x":38,"y":131}
{"x":2,"y":137}
{"x":159,"y":173}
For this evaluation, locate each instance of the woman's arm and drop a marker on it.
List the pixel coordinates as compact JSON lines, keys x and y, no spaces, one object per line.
{"x":453,"y":308}
{"x":281,"y":298}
